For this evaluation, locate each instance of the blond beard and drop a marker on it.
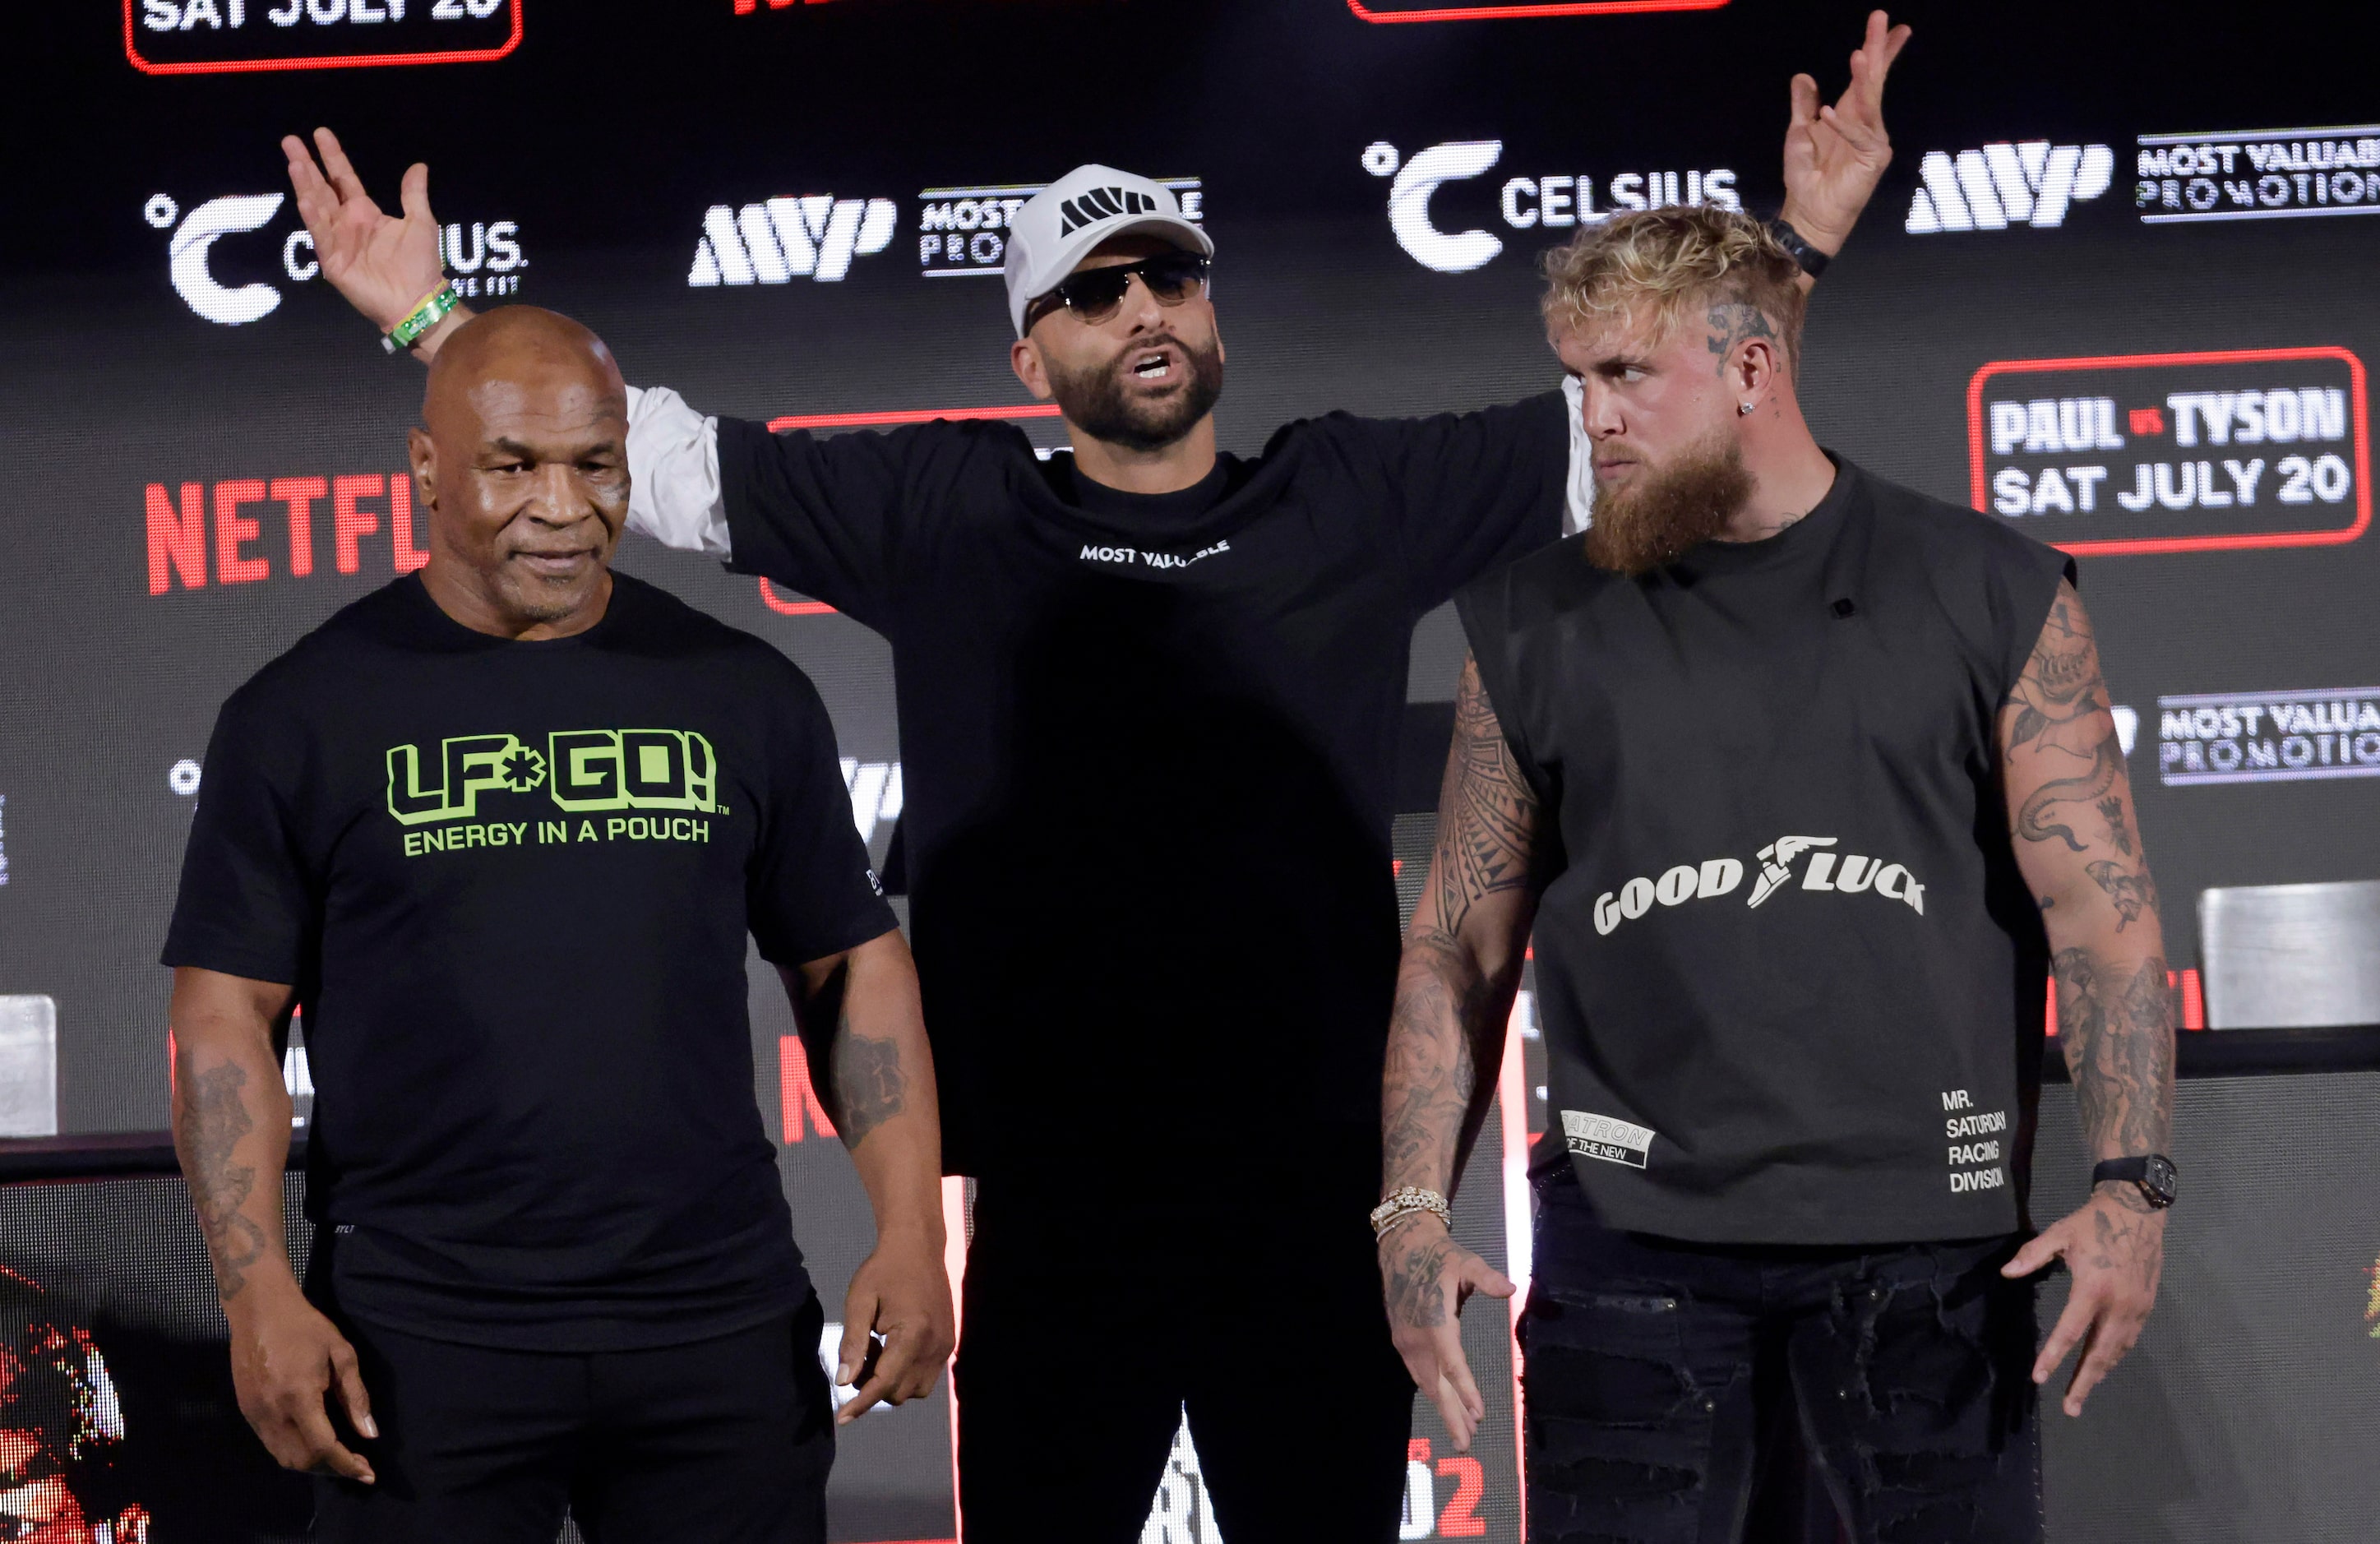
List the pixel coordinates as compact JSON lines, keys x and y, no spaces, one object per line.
{"x":1669,"y":509}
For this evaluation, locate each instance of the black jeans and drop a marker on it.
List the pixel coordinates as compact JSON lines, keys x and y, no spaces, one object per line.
{"x":1078,"y":1364}
{"x":726,"y":1441}
{"x":1684,"y":1393}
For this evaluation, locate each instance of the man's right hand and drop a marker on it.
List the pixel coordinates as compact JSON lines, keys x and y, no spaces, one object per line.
{"x":384,"y":267}
{"x":1425,"y":1276}
{"x":286,"y":1360}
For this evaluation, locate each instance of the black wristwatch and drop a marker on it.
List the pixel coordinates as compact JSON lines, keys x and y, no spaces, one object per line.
{"x":1812,"y":261}
{"x":2154,"y":1174}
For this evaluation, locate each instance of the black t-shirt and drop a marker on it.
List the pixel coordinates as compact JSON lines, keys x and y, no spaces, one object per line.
{"x":511,"y":883}
{"x":1150,"y":748}
{"x":1790,"y":977}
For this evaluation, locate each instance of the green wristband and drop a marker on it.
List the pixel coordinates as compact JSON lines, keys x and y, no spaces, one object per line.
{"x":440,"y":303}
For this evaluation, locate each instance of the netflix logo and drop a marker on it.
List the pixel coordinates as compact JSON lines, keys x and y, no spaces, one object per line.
{"x":247,"y":529}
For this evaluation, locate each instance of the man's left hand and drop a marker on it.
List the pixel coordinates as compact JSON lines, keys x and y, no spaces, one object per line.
{"x":2114,"y":1248}
{"x":901,"y":1293}
{"x":1834,"y":156}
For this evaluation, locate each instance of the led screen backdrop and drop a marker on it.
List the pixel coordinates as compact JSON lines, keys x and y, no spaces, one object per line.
{"x":2115,"y":289}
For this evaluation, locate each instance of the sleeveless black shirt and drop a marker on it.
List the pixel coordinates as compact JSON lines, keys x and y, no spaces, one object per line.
{"x":1790,"y":979}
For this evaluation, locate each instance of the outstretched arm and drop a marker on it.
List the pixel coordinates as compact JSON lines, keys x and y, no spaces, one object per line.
{"x":2070,"y":812}
{"x":822,"y":511}
{"x":1834,"y":156}
{"x":865,"y":1035}
{"x":231,"y":1132}
{"x":1462,"y":963}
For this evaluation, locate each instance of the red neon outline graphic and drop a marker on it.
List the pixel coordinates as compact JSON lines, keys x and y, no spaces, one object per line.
{"x":327,"y":61}
{"x":908,"y":415}
{"x":2186,"y":543}
{"x":872,"y":420}
{"x":792,"y":608}
{"x":1515,"y":13}
{"x":1513,"y":1103}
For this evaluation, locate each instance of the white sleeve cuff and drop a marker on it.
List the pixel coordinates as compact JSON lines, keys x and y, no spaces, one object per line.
{"x":1578,"y":495}
{"x":674,"y":494}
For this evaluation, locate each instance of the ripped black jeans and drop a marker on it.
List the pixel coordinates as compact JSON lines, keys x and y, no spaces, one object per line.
{"x":1681,"y":1392}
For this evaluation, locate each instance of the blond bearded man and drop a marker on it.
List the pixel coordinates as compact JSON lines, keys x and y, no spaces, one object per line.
{"x":1800,"y":782}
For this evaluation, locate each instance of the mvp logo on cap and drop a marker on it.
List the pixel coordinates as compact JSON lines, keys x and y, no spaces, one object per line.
{"x":1060,"y":226}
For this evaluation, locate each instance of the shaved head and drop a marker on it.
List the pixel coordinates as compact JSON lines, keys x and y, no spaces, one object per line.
{"x":522,"y":463}
{"x":517,"y":342}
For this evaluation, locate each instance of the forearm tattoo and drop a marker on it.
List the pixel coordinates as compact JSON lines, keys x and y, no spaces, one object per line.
{"x":1445,"y":1025}
{"x":1431,"y":1072}
{"x":2117,"y":1030}
{"x":869,"y":1087}
{"x":214,"y":1117}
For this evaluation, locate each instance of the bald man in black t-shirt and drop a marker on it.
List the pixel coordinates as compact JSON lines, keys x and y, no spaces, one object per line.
{"x":501,"y":828}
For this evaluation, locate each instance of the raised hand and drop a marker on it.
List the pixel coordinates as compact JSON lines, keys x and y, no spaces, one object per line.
{"x":2114,"y":1251}
{"x":1835,"y":155}
{"x":383,"y":266}
{"x":1426,"y":1277}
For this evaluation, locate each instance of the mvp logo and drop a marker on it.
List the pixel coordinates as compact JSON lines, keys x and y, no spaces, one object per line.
{"x":1093,"y":205}
{"x":2030,"y":184}
{"x":583,"y":770}
{"x":784,"y":239}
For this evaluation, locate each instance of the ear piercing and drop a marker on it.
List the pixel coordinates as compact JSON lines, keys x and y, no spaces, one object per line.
{"x":1742,"y":407}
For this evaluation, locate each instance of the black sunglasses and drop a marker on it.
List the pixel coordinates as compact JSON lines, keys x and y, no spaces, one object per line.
{"x":1094,"y":294}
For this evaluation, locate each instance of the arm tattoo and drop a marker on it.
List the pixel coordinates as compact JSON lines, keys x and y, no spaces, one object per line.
{"x":1415,"y":1294}
{"x":1730,"y":325}
{"x":2057,"y":719}
{"x":217,"y":1119}
{"x":1446,"y":1022}
{"x":2132,"y":893}
{"x":1486,"y":844}
{"x":2060,"y":688}
{"x":868,"y":1084}
{"x":1431,"y":1072}
{"x":2034,"y":822}
{"x":2117,"y":1036}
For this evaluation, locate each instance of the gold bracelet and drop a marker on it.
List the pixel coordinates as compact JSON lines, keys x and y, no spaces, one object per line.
{"x":1404,"y":1201}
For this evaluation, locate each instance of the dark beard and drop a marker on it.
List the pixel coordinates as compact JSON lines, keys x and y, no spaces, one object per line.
{"x":1672,"y":509}
{"x":1095,"y":402}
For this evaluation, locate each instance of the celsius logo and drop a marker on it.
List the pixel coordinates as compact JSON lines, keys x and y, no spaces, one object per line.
{"x":2002,"y":185}
{"x":814,"y":236}
{"x":485,"y":255}
{"x":965,"y":230}
{"x":1527,"y":202}
{"x":1720,"y":876}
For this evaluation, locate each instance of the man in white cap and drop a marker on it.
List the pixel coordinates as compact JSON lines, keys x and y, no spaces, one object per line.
{"x":1150,"y":697}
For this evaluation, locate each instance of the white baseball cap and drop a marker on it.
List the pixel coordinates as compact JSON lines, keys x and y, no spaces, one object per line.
{"x":1059,"y":226}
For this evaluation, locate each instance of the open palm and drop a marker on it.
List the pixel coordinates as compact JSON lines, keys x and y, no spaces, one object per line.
{"x":385,"y":266}
{"x":1834,"y":156}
